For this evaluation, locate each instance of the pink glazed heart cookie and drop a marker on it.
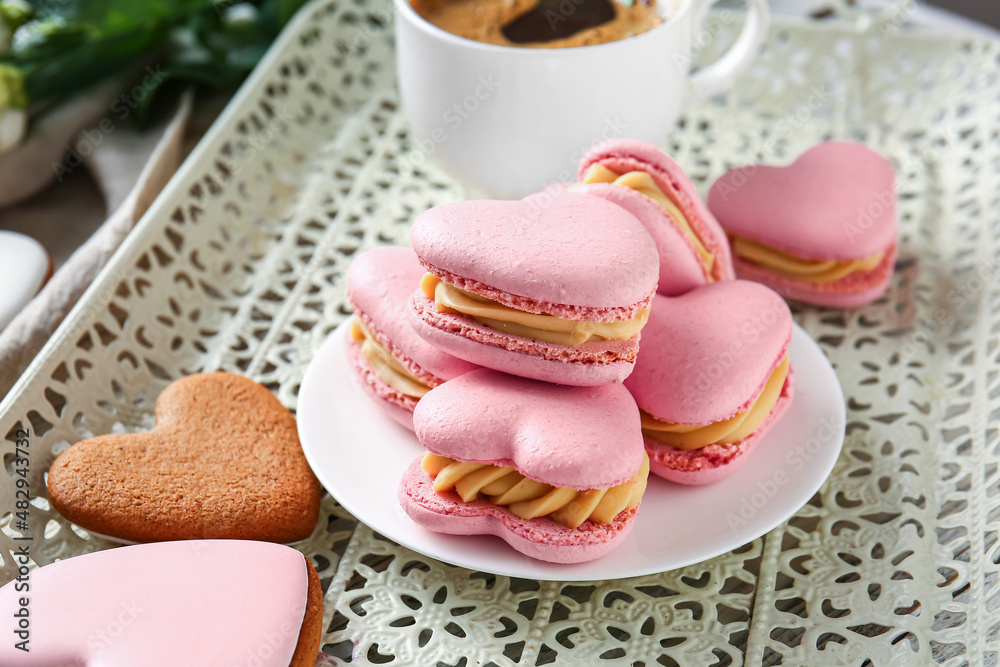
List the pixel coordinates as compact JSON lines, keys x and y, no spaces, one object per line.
{"x":821,"y":230}
{"x":640,"y":177}
{"x":395,"y":365}
{"x":200,"y":603}
{"x":556,"y":291}
{"x":556,"y":472}
{"x":712,"y":378}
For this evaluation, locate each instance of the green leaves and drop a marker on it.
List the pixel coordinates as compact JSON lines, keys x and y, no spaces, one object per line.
{"x":285,"y":9}
{"x":66,"y":46}
{"x":12,"y":94}
{"x":13,"y":117}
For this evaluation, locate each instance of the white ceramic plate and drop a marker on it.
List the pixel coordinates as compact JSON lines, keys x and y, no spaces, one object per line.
{"x":359,"y":455}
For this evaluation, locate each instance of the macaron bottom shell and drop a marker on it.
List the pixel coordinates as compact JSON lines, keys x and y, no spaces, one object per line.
{"x":540,"y":538}
{"x":588,"y":365}
{"x":715,"y":462}
{"x":851,"y":291}
{"x":397,"y":406}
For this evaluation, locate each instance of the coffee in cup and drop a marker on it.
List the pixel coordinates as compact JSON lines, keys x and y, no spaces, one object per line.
{"x":541,"y":23}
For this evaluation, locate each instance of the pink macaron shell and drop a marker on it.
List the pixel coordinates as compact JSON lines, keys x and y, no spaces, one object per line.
{"x":624,"y":155}
{"x":579,"y":437}
{"x":707,"y":355}
{"x":587,"y":365}
{"x":851,"y":291}
{"x":195,"y":603}
{"x":680,"y":269}
{"x":836,"y":201}
{"x":715,"y":462}
{"x":539,"y":538}
{"x":398,"y":406}
{"x":573,"y":251}
{"x":379,"y":285}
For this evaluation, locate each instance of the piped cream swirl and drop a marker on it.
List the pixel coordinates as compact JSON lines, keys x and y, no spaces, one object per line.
{"x":529,"y":499}
{"x":387,"y":367}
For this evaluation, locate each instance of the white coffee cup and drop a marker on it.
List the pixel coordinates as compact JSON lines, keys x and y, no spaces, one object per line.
{"x":507,"y":121}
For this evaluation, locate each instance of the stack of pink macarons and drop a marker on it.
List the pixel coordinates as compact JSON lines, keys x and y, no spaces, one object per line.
{"x":550,"y":352}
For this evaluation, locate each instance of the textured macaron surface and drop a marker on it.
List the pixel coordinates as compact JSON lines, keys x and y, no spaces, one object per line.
{"x":579,"y":437}
{"x":195,"y":603}
{"x":574,"y":250}
{"x":633,"y":151}
{"x":379,"y":285}
{"x":707,"y":355}
{"x":836,"y":201}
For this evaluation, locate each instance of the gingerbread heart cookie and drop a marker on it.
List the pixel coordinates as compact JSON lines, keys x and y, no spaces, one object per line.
{"x":224,"y":461}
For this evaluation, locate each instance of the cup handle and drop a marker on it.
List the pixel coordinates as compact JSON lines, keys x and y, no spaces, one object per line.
{"x":721,"y":74}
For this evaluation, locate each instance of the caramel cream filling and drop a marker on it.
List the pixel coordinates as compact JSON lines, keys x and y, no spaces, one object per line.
{"x":806,"y":270}
{"x":724,"y":432}
{"x":386,"y":366}
{"x":528,"y":499}
{"x":643,"y":182}
{"x":546,"y":328}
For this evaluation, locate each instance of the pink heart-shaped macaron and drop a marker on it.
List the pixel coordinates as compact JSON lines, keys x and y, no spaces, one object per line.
{"x":576,"y":437}
{"x":575,"y":252}
{"x":705,"y":357}
{"x":492,"y":417}
{"x":836,"y":202}
{"x":198,"y":603}
{"x":568,"y":256}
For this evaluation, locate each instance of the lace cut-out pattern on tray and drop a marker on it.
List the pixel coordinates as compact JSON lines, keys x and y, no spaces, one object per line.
{"x":240,"y":264}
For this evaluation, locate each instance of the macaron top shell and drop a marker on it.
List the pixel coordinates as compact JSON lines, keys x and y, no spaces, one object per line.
{"x":836,"y":201}
{"x":573,"y":250}
{"x":624,"y":155}
{"x":707,"y":355}
{"x":579,"y":437}
{"x":380,"y":283}
{"x":680,"y":270}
